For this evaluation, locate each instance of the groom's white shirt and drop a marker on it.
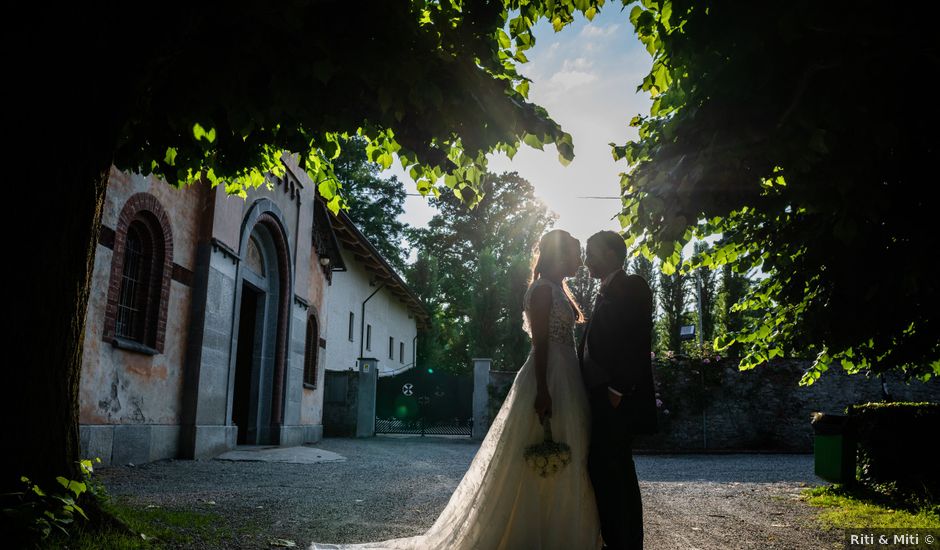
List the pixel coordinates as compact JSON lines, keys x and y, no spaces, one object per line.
{"x":587,"y":355}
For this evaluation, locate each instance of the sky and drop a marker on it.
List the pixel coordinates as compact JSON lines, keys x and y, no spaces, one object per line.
{"x":586,"y":76}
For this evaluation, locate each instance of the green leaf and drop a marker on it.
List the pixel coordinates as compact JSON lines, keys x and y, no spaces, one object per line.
{"x":333,"y":205}
{"x":80,"y":511}
{"x":635,"y":15}
{"x":200,"y":133}
{"x":503,"y":39}
{"x":532,"y":141}
{"x":665,"y":13}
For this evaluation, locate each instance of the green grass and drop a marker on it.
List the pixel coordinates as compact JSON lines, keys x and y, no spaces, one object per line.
{"x":846,"y":508}
{"x":158,"y":528}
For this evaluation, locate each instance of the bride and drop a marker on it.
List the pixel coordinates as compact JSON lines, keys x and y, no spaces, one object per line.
{"x":500,"y":502}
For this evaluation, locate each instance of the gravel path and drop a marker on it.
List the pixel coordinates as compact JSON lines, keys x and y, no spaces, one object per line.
{"x":390,"y":487}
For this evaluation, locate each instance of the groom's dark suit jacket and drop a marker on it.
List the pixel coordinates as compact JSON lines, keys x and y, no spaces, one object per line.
{"x":619,"y":341}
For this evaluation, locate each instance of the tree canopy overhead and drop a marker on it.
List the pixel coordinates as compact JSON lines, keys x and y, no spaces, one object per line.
{"x":198,"y":92}
{"x":434,"y":82}
{"x":790,"y":129}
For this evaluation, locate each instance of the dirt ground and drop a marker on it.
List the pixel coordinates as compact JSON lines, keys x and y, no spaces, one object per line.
{"x":389,"y":487}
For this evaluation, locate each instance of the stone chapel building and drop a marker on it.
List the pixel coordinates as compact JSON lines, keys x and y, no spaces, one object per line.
{"x":207,"y":321}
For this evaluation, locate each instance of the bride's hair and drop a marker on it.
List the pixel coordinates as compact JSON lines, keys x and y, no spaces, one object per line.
{"x":549,"y":251}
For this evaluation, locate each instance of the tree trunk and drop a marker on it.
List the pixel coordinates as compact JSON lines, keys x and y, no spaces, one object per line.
{"x":68,"y":110}
{"x":41,"y":425}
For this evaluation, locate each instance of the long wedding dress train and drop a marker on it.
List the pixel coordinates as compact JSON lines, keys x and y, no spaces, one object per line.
{"x":500,"y":503}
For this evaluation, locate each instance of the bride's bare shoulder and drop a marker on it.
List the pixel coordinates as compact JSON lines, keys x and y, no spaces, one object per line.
{"x":538,"y":297}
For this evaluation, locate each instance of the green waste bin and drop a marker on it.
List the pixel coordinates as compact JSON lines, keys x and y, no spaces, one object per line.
{"x":834,"y":447}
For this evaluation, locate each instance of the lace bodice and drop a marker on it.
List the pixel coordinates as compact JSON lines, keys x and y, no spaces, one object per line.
{"x":561,"y":318}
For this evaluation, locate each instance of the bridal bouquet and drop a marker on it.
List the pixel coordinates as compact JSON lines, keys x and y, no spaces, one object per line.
{"x":549,"y":456}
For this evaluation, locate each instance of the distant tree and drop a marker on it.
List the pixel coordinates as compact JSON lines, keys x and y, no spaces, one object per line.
{"x":375,"y":204}
{"x":673,"y":298}
{"x":734,"y":287}
{"x":483,"y":256}
{"x":514,"y":342}
{"x":423,"y":278}
{"x":584,"y":289}
{"x":487,"y":286}
{"x":644,"y":267}
{"x":706,"y":291}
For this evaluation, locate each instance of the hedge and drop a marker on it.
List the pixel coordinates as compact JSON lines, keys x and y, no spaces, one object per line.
{"x":896,"y":447}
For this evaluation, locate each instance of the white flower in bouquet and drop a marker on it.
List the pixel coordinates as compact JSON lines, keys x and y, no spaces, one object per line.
{"x":549,"y":456}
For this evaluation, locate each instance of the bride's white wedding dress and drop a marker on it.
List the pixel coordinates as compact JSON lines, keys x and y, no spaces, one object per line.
{"x":501,"y":503}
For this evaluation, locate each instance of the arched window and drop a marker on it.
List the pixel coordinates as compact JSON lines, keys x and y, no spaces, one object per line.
{"x":133,"y":317}
{"x":310,"y":354}
{"x":140,"y":277}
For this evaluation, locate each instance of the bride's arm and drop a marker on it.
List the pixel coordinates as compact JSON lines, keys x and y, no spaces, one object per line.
{"x":540,"y":306}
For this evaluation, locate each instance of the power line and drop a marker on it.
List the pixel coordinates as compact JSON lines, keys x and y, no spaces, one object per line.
{"x":599,"y":197}
{"x":589,"y":197}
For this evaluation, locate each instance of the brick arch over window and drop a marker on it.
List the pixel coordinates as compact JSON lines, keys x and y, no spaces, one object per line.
{"x":141,"y":268}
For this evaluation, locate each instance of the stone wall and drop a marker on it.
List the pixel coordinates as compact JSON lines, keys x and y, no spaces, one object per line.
{"x":760,"y":409}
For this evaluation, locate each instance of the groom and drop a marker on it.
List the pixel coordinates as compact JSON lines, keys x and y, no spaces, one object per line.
{"x":616,"y":366}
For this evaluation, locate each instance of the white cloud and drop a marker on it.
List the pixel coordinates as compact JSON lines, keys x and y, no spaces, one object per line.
{"x":599,"y":31}
{"x":574,"y":72}
{"x":577,"y":64}
{"x":562,"y":81}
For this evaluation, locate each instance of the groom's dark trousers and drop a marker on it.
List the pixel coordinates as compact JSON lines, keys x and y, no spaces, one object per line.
{"x":615,"y":355}
{"x":613,"y":474}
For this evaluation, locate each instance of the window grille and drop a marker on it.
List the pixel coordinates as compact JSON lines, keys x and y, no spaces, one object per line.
{"x":131,"y":309}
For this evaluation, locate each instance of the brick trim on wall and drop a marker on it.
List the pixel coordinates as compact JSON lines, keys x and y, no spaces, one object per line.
{"x":145,"y":208}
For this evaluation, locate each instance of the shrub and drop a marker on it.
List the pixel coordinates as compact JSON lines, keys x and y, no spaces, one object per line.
{"x":34,"y":513}
{"x":893,"y":455}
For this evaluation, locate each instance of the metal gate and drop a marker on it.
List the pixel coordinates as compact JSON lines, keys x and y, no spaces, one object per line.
{"x":424,"y":403}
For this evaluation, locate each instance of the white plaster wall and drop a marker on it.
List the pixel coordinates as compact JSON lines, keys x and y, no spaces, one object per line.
{"x":385,"y":312}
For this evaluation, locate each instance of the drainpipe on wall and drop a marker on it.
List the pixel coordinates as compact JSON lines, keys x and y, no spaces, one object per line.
{"x":362,"y":321}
